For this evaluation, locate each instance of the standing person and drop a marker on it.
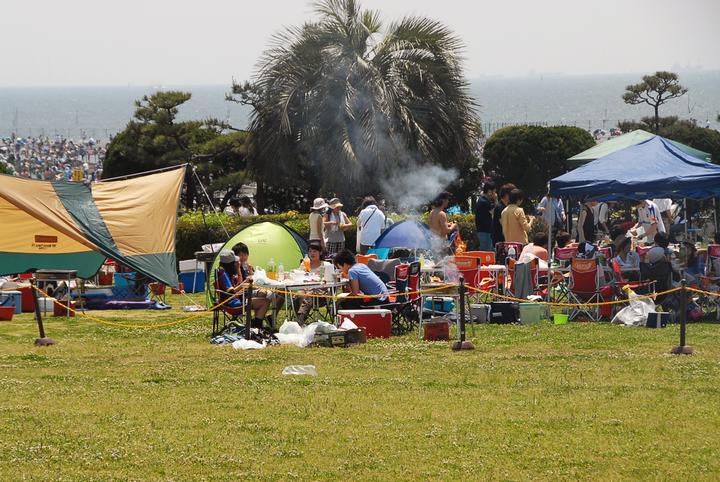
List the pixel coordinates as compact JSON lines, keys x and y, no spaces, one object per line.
{"x":503,"y":201}
{"x":336,"y":222}
{"x":371,"y":222}
{"x":552,"y":211}
{"x":648,"y":216}
{"x":515,"y":224}
{"x":233,"y":208}
{"x":247,"y":208}
{"x":316,"y":221}
{"x":437,"y":221}
{"x":483,"y":216}
{"x":664,"y":206}
{"x":586,"y":223}
{"x":601,"y":215}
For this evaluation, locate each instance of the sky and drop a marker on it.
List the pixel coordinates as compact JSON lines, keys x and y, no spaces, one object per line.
{"x":190,"y":42}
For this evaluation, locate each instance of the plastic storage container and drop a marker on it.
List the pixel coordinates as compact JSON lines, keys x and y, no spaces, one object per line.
{"x":376,"y":322}
{"x":531,"y":313}
{"x":439,"y":304}
{"x":560,"y":318}
{"x":6,"y":313}
{"x":193,"y":281}
{"x":657,"y":320}
{"x":479,"y":313}
{"x":504,"y":312}
{"x":436,"y":330}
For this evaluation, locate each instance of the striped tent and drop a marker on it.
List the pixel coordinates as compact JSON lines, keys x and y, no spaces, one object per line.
{"x":66,"y":225}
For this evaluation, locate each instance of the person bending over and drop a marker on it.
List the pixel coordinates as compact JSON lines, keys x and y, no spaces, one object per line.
{"x":362,"y":282}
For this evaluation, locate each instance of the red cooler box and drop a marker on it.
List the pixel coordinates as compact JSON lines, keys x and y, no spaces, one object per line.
{"x":377,"y":323}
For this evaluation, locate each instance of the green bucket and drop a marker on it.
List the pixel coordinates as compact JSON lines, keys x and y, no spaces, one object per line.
{"x":531,"y":313}
{"x":560,"y":318}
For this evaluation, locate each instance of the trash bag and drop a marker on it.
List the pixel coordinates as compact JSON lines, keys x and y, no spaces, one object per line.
{"x":248,"y":345}
{"x":637,"y":313}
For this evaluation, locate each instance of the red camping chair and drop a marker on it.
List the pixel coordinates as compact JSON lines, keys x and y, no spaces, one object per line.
{"x":404,"y":307}
{"x":586,"y":287}
{"x":534,"y":275}
{"x":565,"y":255}
{"x":640,"y":287}
{"x":363,"y":258}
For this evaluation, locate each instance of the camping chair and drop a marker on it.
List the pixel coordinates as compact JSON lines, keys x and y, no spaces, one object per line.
{"x":586,"y":287}
{"x":157,"y":291}
{"x":565,"y":255}
{"x":661,"y":274}
{"x":384,"y":268}
{"x":501,"y":251}
{"x":534,"y":276}
{"x":404,"y":307}
{"x":224,"y":315}
{"x":619,"y":283}
{"x":641,"y":250}
{"x":363,"y":258}
{"x":470,"y":269}
{"x":486,"y":258}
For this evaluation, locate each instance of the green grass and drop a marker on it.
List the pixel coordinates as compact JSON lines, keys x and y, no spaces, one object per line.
{"x":580,"y":401}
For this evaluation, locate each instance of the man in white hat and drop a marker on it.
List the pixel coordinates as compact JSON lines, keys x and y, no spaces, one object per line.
{"x":316,"y":221}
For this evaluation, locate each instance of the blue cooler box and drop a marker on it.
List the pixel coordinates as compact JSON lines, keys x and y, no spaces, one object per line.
{"x":193,"y":281}
{"x":439,"y":304}
{"x":11,"y":298}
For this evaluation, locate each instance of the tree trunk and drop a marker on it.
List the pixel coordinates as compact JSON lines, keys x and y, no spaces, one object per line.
{"x":190,"y":190}
{"x":657,"y":118}
{"x":260,"y":196}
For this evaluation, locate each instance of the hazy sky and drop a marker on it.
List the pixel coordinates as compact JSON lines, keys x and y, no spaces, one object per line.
{"x":180,"y":42}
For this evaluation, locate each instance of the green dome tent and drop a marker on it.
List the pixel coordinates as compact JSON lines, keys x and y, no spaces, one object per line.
{"x":265,"y":240}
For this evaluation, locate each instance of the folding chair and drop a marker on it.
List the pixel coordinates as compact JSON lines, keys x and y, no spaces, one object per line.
{"x":225,"y":314}
{"x":470,"y":269}
{"x":586,"y":287}
{"x":534,"y":276}
{"x":501,"y":251}
{"x":157,"y":291}
{"x":619,"y":284}
{"x":363,"y":258}
{"x":565,"y":255}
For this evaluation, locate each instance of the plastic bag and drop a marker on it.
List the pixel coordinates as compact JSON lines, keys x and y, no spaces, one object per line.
{"x":291,"y":328}
{"x":248,"y":345}
{"x":300,"y":370}
{"x":637,"y":313}
{"x":347,"y":324}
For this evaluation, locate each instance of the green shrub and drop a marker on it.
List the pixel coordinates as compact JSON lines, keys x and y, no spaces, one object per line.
{"x":194,"y":229}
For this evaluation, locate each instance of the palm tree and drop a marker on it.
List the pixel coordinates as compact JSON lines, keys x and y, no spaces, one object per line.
{"x":342,"y":102}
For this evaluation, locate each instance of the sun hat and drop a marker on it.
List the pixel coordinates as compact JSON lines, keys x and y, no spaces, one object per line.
{"x":227,"y":256}
{"x":319,"y":203}
{"x":335,"y":202}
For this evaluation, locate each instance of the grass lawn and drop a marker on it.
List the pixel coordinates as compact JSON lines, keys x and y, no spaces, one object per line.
{"x":580,"y":401}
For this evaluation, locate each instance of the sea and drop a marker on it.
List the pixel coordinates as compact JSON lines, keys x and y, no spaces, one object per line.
{"x":591,"y":102}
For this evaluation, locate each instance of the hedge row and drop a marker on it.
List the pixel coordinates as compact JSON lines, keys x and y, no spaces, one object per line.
{"x":195,"y":228}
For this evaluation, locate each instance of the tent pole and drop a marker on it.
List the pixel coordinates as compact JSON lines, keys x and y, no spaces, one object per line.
{"x":687,"y":221}
{"x":139,"y":174}
{"x":715,"y":217}
{"x":551,"y":249}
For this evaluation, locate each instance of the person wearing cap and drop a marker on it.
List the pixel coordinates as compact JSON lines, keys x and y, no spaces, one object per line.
{"x":336,"y":222}
{"x":316,"y":221}
{"x":229,"y":283}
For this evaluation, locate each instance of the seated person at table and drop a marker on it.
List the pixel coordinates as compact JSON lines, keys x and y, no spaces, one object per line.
{"x":246,"y":270}
{"x":305,"y":304}
{"x":228,"y":272}
{"x":562,"y":239}
{"x":362,"y":282}
{"x":538,"y":247}
{"x":659,"y":251}
{"x":628,"y":260}
{"x":694,"y":265}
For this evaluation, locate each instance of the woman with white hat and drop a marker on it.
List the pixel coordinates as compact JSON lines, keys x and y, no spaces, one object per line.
{"x":316,"y":221}
{"x":336,"y":221}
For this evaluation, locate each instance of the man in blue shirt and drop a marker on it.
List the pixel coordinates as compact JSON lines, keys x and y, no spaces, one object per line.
{"x":362,"y":282}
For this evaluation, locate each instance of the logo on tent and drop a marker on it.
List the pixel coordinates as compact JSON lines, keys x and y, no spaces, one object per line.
{"x":45,"y":242}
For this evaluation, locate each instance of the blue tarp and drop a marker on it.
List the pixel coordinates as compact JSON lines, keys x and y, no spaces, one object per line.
{"x":652,"y":169}
{"x":409,"y":234}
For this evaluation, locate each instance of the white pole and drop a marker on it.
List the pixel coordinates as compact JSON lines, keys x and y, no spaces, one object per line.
{"x":550,"y":248}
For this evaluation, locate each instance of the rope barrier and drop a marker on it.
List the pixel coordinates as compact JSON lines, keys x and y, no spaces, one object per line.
{"x":350,"y":297}
{"x":706,"y":293}
{"x":573,"y":305}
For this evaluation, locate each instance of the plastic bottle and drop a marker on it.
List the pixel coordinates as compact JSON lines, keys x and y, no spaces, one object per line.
{"x":329,"y":273}
{"x":271,"y":268}
{"x":512,"y":253}
{"x":300,"y":370}
{"x":281,"y":272}
{"x":306,"y":263}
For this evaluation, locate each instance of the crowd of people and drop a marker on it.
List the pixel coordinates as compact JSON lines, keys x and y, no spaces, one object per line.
{"x":52,"y":159}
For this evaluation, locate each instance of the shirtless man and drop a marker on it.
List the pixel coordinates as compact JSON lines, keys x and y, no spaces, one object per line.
{"x":438,"y":218}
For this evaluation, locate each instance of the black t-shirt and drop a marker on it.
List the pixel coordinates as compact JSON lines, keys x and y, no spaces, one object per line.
{"x":483,"y":215}
{"x":497,"y":232}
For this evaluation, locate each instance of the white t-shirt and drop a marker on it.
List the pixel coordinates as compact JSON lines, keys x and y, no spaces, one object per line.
{"x":600,"y":213}
{"x":663,"y":204}
{"x":650,"y":214}
{"x":371,"y":221}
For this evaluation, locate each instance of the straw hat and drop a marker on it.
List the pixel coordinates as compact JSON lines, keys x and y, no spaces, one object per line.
{"x":335,"y":202}
{"x":227,"y":256}
{"x":318,"y":204}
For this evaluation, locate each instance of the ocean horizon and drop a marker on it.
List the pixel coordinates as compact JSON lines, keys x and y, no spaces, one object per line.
{"x":586,"y":101}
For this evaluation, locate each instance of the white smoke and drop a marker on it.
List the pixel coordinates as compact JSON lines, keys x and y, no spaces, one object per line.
{"x":412,"y":189}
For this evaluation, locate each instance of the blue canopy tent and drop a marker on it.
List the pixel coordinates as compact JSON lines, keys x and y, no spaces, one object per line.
{"x":409,"y":234}
{"x":652,"y":169}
